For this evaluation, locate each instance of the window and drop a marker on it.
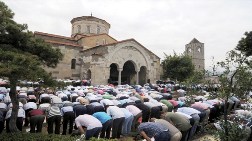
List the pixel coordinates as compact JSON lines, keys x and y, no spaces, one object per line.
{"x":88,"y":29}
{"x":199,"y":49}
{"x":79,"y":28}
{"x":73,"y":63}
{"x":98,"y":29}
{"x":189,"y":50}
{"x":97,"y":43}
{"x":104,"y":41}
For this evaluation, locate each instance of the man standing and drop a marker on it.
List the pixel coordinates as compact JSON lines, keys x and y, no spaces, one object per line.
{"x":68,"y":117}
{"x":54,"y":117}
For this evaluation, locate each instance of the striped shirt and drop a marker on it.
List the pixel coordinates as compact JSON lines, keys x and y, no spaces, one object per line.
{"x":54,"y":111}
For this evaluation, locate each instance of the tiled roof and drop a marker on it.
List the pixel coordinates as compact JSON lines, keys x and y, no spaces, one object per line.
{"x":63,"y":43}
{"x":53,"y":35}
{"x":83,"y":36}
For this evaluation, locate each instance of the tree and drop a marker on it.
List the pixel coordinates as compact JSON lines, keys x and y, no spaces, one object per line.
{"x":22,"y":56}
{"x":177,"y":67}
{"x":236,"y":80}
{"x":245,"y":44}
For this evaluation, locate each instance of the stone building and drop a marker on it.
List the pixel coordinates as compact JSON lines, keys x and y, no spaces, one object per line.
{"x":91,"y":53}
{"x":195,"y":49}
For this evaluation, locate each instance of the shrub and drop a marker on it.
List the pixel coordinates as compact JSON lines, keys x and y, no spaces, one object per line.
{"x":34,"y":137}
{"x":235,"y":132}
{"x":41,"y":137}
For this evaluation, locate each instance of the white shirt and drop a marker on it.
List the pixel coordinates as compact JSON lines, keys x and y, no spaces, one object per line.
{"x":105,"y":102}
{"x":115,"y":112}
{"x":88,"y":121}
{"x":3,"y":106}
{"x":188,"y":110}
{"x":133,"y":109}
{"x":61,"y":95}
{"x":21,"y":113}
{"x":43,"y":95}
{"x":56,"y":99}
{"x":30,"y":105}
{"x":187,"y":116}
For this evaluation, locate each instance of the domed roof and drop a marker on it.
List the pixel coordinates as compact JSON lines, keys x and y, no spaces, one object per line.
{"x":89,"y":18}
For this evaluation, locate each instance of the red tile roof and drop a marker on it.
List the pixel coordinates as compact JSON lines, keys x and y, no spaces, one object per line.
{"x":53,"y":35}
{"x":63,"y":43}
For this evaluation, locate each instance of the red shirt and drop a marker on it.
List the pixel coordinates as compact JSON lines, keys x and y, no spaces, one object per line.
{"x":35,"y":112}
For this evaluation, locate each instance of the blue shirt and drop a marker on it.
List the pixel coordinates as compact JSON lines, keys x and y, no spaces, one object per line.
{"x":2,"y":96}
{"x":66,"y":109}
{"x":151,"y":128}
{"x":102,"y":117}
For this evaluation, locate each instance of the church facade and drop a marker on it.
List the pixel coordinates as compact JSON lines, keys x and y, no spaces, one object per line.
{"x":91,"y":53}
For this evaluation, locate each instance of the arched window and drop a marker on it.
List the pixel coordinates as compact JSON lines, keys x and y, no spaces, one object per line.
{"x":103,"y":41}
{"x":98,"y":29}
{"x":79,"y":28}
{"x":73,"y":63}
{"x":88,"y":29}
{"x":189,"y":50}
{"x":199,"y":49}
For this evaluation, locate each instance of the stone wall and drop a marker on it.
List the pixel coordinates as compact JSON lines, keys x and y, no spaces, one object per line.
{"x":92,"y":41}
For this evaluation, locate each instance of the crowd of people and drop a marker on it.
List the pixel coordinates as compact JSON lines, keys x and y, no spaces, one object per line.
{"x":159,"y":112}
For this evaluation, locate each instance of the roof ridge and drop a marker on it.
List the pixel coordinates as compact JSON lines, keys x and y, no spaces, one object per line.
{"x":54,"y":35}
{"x":194,"y":40}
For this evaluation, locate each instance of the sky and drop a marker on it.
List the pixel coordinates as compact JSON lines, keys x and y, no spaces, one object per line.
{"x":162,"y":26}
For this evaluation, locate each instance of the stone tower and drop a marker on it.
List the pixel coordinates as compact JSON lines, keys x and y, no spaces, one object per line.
{"x":89,"y":25}
{"x":195,"y":49}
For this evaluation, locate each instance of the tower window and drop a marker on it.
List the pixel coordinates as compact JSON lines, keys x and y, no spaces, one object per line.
{"x":79,"y":28}
{"x":88,"y":29}
{"x":98,"y":29}
{"x":73,"y":63}
{"x":199,"y":49}
{"x":189,"y":50}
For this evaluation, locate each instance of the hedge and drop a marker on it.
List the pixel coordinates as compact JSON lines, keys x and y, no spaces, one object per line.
{"x":41,"y":137}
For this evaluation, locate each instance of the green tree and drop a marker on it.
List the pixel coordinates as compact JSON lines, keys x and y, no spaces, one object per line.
{"x":245,"y":44}
{"x":236,"y":80}
{"x":177,"y":67}
{"x":22,"y":56}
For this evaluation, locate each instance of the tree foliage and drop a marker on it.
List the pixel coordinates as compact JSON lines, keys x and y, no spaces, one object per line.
{"x":245,"y":44}
{"x":177,"y":67}
{"x":236,"y":79}
{"x":22,"y":56}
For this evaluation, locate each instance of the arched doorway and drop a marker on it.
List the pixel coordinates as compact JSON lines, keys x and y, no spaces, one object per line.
{"x":88,"y":74}
{"x":142,"y":75}
{"x":113,"y":77}
{"x":128,"y":73}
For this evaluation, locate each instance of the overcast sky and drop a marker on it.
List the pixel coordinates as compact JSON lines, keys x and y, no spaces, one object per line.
{"x":162,"y":26}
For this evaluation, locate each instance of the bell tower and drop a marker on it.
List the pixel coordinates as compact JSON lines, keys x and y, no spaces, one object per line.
{"x":195,"y":49}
